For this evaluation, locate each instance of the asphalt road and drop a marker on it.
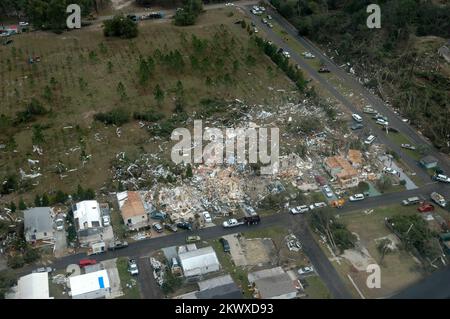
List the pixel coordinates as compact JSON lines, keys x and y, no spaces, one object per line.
{"x":320,"y":261}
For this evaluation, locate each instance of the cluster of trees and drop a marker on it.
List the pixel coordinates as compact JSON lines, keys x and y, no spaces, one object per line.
{"x":47,"y":200}
{"x":339,"y":237}
{"x":83,"y":194}
{"x":282,"y":62}
{"x":31,"y":111}
{"x":44,"y":14}
{"x":414,"y":232}
{"x":188,"y":13}
{"x":117,"y":116}
{"x":120,"y":26}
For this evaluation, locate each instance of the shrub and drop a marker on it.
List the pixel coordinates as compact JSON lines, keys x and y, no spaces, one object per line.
{"x":118,"y":116}
{"x":121,"y":27}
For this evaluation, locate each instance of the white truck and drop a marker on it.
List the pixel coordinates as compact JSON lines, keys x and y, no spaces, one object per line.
{"x":438,"y":199}
{"x":411,"y":201}
{"x":97,"y":248}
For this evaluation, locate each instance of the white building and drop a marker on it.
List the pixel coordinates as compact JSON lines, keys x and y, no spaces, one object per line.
{"x":198,"y":262}
{"x":32,"y":286}
{"x":87,"y":214}
{"x":93,"y":285}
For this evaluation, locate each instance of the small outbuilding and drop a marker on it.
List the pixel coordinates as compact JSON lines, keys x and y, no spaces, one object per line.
{"x":429,"y":161}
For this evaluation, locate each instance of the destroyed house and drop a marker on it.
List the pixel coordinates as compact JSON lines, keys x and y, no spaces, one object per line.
{"x":38,"y":224}
{"x":87,"y":215}
{"x":132,"y":210}
{"x":32,"y":286}
{"x":355,"y":158}
{"x":341,"y":169}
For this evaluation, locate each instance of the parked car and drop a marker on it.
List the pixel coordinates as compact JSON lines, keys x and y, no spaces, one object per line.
{"x":357,"y":117}
{"x":328,"y":191}
{"x":293,"y":211}
{"x":43,"y":269}
{"x":171,"y":227}
{"x":324,"y":70}
{"x":132,"y":267}
{"x":320,"y":205}
{"x":408,"y":146}
{"x":425,"y":207}
{"x":382,"y":122}
{"x":207,"y":217}
{"x":86,"y":262}
{"x":264,"y":21}
{"x":356,"y":197}
{"x":356,"y":126}
{"x":390,"y":170}
{"x":23,"y":23}
{"x":286,"y":54}
{"x":305,"y":270}
{"x":442,"y":178}
{"x":8,"y":41}
{"x":308,"y":55}
{"x":59,"y":223}
{"x":269,"y":17}
{"x":225,"y":244}
{"x":184,"y":225}
{"x":192,"y":239}
{"x":302,"y":209}
{"x":270,"y":25}
{"x":157,"y":227}
{"x":369,"y":140}
{"x":106,"y":221}
{"x":118,"y":245}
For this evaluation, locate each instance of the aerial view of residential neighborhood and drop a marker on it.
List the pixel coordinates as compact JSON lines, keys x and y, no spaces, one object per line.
{"x":208,"y":149}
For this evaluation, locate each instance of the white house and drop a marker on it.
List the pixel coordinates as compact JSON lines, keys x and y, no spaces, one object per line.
{"x":32,"y":286}
{"x":93,"y":285}
{"x":198,"y":262}
{"x":132,"y":210}
{"x":87,"y":214}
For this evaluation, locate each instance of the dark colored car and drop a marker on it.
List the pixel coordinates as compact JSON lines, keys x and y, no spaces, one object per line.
{"x":184,"y":225}
{"x":357,"y":126}
{"x":225,"y":244}
{"x":324,"y":70}
{"x":9,"y":41}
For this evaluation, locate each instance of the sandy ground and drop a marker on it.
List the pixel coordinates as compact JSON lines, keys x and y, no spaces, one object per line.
{"x":120,"y":4}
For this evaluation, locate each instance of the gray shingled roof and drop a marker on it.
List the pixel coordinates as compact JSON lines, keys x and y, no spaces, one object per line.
{"x":38,"y":219}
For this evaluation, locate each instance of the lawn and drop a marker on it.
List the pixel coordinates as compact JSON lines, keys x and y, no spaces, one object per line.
{"x":400,"y":139}
{"x":316,"y":289}
{"x":126,"y":278}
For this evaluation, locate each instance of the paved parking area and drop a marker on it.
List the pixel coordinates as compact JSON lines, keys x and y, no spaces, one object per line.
{"x":114,"y":279}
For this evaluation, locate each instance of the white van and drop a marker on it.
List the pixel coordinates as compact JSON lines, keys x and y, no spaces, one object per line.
{"x":369,"y":140}
{"x":357,"y":117}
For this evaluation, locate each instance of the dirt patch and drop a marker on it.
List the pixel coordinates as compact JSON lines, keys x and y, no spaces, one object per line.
{"x":359,"y":258}
{"x":258,"y":251}
{"x":120,"y":4}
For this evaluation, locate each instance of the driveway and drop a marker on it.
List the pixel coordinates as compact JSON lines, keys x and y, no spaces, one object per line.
{"x":388,"y":162}
{"x":60,"y":243}
{"x":148,"y":286}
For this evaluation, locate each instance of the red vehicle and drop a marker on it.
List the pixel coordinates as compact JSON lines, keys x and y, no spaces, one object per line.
{"x":425,"y":207}
{"x":87,"y":262}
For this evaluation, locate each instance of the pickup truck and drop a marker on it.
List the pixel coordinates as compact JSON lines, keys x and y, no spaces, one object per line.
{"x":117,"y":245}
{"x":411,"y":201}
{"x":250,"y":220}
{"x":438,"y":199}
{"x":232,"y":223}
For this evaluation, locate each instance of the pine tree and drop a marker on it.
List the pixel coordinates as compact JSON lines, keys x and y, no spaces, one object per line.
{"x":45,"y":200}
{"x":22,"y":205}
{"x":13,"y":207}
{"x":37,"y":201}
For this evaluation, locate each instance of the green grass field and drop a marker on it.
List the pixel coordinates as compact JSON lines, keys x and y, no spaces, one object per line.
{"x":126,"y":278}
